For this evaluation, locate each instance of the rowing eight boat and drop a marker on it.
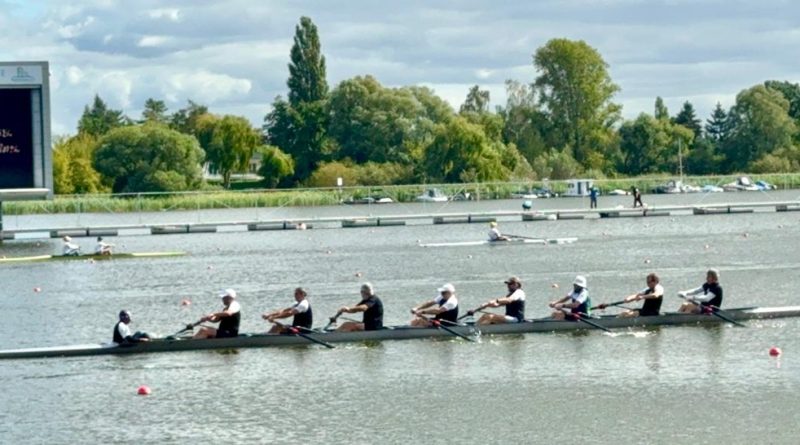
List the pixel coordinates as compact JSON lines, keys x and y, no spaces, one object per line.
{"x":115,"y":256}
{"x":399,"y":333}
{"x":511,"y":242}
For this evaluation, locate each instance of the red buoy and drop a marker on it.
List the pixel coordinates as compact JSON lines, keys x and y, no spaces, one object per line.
{"x":775,"y":351}
{"x":144,"y":390}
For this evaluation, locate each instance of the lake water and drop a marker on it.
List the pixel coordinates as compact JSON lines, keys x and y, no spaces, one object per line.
{"x":671,"y":385}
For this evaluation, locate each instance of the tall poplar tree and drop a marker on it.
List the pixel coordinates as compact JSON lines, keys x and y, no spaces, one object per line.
{"x":297,"y":126}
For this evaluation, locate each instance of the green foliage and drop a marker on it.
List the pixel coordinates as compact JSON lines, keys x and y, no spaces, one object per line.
{"x":230,"y":146}
{"x":575,"y":90}
{"x":462,"y":152}
{"x":760,"y":125}
{"x":523,"y":122}
{"x":477,"y":101}
{"x":73,"y":172}
{"x":328,"y":172}
{"x":660,"y":110}
{"x":644,"y":144}
{"x":276,"y":166}
{"x":99,"y":119}
{"x":688,"y":119}
{"x":155,"y":112}
{"x":186,"y":119}
{"x":717,"y":126}
{"x":368,"y":122}
{"x":770,"y":163}
{"x":556,"y":165}
{"x":307,"y":81}
{"x":149,"y":158}
{"x":703,"y":158}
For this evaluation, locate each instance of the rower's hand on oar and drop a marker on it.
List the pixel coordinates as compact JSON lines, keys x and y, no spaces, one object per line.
{"x":601,"y":306}
{"x":470,"y":313}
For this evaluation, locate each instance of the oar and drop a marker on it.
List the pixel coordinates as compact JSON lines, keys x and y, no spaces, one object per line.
{"x":331,"y":321}
{"x":717,"y":312}
{"x":582,"y":317}
{"x":294,"y":330}
{"x":438,"y":324}
{"x":188,"y":327}
{"x":605,"y":305}
{"x":521,"y":237}
{"x":471,"y":312}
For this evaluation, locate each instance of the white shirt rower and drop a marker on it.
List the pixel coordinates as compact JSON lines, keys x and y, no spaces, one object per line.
{"x":102,"y":247}
{"x":494,"y":233}
{"x":70,"y":248}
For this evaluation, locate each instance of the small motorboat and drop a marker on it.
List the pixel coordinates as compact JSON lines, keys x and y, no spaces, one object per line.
{"x":432,"y":195}
{"x":742,"y":184}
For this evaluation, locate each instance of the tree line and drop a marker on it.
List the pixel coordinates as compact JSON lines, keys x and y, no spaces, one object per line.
{"x":562,"y":124}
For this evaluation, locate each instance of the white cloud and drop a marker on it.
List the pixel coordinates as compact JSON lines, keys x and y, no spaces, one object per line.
{"x":171,"y":14}
{"x":75,"y":29}
{"x":152,"y":41}
{"x":206,"y":86}
{"x":74,"y":75}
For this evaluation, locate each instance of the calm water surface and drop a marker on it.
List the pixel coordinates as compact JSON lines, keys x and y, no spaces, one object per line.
{"x":670,"y":385}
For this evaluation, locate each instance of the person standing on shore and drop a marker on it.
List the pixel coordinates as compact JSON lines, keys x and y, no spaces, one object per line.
{"x":593,"y":198}
{"x":637,"y":197}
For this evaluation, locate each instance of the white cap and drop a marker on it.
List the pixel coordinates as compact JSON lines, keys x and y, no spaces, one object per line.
{"x":580,"y":280}
{"x":67,"y":238}
{"x":447,"y":288}
{"x":227,"y":293}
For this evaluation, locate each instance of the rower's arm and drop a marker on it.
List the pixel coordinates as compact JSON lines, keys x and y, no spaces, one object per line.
{"x":354,"y":309}
{"x":422,"y":308}
{"x":692,"y":293}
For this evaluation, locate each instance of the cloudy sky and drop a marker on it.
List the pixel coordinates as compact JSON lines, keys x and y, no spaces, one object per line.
{"x":232,"y":55}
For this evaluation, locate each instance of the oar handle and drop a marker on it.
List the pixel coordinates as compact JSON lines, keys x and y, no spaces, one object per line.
{"x":605,"y":305}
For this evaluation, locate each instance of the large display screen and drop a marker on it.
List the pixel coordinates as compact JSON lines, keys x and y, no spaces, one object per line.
{"x":16,"y":139}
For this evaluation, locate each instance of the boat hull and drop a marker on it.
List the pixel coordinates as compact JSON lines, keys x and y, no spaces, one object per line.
{"x":115,"y":256}
{"x":512,"y":242}
{"x":398,"y":333}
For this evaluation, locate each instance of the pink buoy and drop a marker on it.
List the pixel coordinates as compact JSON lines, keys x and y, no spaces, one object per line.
{"x":775,"y":351}
{"x":186,"y":302}
{"x":144,"y":390}
{"x":37,"y":289}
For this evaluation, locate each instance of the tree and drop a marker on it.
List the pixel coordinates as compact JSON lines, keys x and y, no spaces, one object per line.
{"x":760,"y":125}
{"x":461,"y":151}
{"x":99,"y":119}
{"x":645,"y":144}
{"x":155,"y":111}
{"x":688,"y":119}
{"x":523,"y":122}
{"x":231,"y":146}
{"x":477,"y":101}
{"x":149,"y":158}
{"x":73,"y":172}
{"x":275,"y":165}
{"x":185,"y":119}
{"x":575,"y":90}
{"x":717,"y":126}
{"x":307,"y":68}
{"x":791,"y":92}
{"x":661,"y":111}
{"x":298,"y":126}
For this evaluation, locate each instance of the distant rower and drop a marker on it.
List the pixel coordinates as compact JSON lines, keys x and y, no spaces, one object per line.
{"x":514,"y":301}
{"x":577,"y":300}
{"x":443,"y":307}
{"x":228,"y":318}
{"x":70,"y":248}
{"x":370,"y":305}
{"x":303,"y":316}
{"x":122,"y":332}
{"x":711,"y":295}
{"x":652,"y":295}
{"x":102,"y":248}
{"x":494,"y":233}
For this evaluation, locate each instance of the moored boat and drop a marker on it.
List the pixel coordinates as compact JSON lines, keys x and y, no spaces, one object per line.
{"x":90,"y":257}
{"x":401,"y":333}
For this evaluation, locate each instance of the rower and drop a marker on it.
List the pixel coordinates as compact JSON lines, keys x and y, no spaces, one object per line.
{"x":578,"y":301}
{"x":122,"y":332}
{"x":652,"y":295}
{"x":494,"y":233}
{"x":303,"y":316}
{"x":444,"y":307}
{"x":70,"y":248}
{"x":228,"y":318}
{"x":711,"y":291}
{"x":514,"y":301}
{"x":370,"y":305}
{"x":102,"y":248}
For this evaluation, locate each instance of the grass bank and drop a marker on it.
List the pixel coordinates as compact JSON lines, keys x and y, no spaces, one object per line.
{"x":149,"y":202}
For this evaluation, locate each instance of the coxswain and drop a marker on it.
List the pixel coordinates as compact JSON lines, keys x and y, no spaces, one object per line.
{"x":711,"y":293}
{"x":577,"y":300}
{"x":443,"y":307}
{"x":70,"y":248}
{"x":494,"y":233}
{"x":301,"y":310}
{"x":514,"y":301}
{"x":102,"y":247}
{"x":370,"y":305}
{"x":122,"y":331}
{"x":652,"y":295}
{"x":228,"y":318}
